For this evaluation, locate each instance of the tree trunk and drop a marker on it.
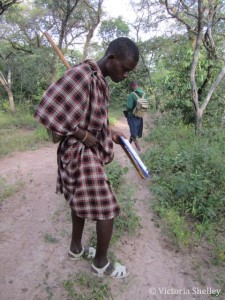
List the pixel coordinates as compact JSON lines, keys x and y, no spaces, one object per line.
{"x":7,"y":86}
{"x":95,"y":20}
{"x":11,"y":101}
{"x":87,"y":43}
{"x":198,"y":121}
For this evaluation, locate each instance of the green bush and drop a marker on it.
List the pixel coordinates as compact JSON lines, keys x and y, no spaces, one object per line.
{"x":189,"y":171}
{"x":188,"y":183}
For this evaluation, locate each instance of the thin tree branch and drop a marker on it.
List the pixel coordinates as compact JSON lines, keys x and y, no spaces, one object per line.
{"x":213,"y":87}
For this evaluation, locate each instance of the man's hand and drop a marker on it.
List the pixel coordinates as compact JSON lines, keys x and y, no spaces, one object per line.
{"x":116,"y":136}
{"x":90,"y":140}
{"x":85,"y":137}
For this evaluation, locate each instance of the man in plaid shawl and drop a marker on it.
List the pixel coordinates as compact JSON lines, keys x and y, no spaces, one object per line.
{"x":76,"y":108}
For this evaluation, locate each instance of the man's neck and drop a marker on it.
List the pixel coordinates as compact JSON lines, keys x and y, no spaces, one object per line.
{"x":102,"y":66}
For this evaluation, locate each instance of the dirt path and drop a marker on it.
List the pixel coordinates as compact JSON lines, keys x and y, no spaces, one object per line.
{"x":35,"y":236}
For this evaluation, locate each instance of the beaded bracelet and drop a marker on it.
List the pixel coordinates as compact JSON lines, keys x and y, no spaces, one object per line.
{"x":85,"y":137}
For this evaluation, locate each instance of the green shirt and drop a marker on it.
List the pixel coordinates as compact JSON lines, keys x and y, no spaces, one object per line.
{"x":132,"y":100}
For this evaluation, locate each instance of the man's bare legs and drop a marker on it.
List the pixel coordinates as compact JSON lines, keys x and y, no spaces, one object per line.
{"x":104,"y":229}
{"x":77,"y":231}
{"x":137,"y":144}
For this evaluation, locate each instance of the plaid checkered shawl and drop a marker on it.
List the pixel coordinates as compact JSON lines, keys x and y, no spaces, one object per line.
{"x":80,"y":99}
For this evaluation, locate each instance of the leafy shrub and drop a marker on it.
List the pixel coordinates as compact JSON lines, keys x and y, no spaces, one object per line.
{"x":4,"y":105}
{"x":189,"y":171}
{"x":188,"y":181}
{"x":183,"y":106}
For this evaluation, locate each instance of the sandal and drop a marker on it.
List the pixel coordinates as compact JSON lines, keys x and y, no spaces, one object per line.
{"x":119,"y":271}
{"x":88,"y":253}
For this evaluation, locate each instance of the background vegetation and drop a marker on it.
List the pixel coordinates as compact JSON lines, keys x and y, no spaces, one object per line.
{"x":189,"y":183}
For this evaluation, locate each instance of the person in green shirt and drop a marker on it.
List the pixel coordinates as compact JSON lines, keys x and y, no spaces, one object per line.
{"x":135,"y":123}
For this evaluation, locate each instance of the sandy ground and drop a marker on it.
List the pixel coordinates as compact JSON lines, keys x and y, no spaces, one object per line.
{"x":33,"y":267}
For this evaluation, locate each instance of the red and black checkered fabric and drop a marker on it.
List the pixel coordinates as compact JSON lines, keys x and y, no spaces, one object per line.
{"x":80,"y":99}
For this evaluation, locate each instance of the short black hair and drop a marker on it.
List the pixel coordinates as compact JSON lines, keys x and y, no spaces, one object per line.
{"x":132,"y":83}
{"x":123,"y":47}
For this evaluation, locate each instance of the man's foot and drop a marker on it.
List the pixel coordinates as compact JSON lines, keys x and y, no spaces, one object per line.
{"x":110,"y":270}
{"x":136,"y":143}
{"x":132,"y":139}
{"x":138,"y":147}
{"x":87,"y":252}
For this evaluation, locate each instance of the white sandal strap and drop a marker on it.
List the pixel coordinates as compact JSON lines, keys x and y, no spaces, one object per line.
{"x":91,"y":252}
{"x":78,"y":255}
{"x":119,"y":271}
{"x":100,"y":271}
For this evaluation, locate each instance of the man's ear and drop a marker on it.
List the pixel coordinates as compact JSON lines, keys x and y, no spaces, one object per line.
{"x":111,"y":57}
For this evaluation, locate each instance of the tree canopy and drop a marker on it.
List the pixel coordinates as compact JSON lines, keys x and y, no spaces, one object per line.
{"x":6,"y":4}
{"x":181,"y":44}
